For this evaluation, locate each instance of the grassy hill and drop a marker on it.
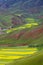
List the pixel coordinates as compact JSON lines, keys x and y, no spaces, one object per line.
{"x":21,"y":30}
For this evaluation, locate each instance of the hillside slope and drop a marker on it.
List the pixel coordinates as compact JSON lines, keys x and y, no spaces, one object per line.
{"x":23,"y":37}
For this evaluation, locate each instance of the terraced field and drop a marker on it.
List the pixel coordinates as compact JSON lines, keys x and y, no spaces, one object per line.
{"x":7,"y":55}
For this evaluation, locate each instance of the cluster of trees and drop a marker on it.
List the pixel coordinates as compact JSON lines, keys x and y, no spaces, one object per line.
{"x":35,"y":45}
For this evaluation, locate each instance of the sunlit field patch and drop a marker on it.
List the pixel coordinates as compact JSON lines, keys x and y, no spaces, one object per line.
{"x":15,"y":53}
{"x":11,"y":57}
{"x":2,"y":64}
{"x":28,"y":25}
{"x":6,"y":52}
{"x":31,"y":49}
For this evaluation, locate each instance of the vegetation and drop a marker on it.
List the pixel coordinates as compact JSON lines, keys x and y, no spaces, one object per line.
{"x":8,"y":54}
{"x":21,"y":32}
{"x":36,"y":59}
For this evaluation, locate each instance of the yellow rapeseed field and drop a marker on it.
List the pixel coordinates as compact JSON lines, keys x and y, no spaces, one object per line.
{"x":20,"y":49}
{"x":11,"y":57}
{"x":2,"y":64}
{"x":4,"y":53}
{"x":9,"y":53}
{"x":17,"y":52}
